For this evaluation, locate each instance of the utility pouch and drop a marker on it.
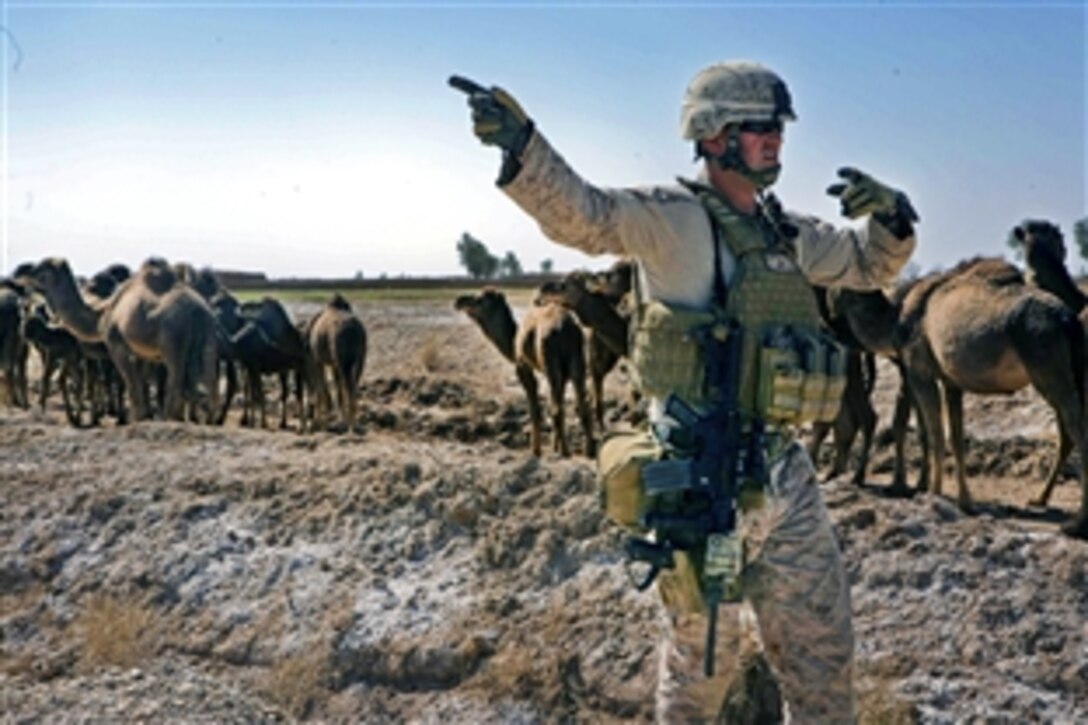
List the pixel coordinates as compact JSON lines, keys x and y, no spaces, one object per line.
{"x":814,"y":388}
{"x":664,"y":352}
{"x":622,"y":456}
{"x":679,"y":587}
{"x":780,"y":378}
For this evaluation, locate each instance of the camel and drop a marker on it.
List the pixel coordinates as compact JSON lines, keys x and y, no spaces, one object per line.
{"x":547,"y":340}
{"x":1044,"y":254}
{"x":605,"y":326}
{"x":151,"y":316}
{"x":265,"y":342}
{"x":336,"y":339}
{"x":57,"y":347}
{"x":13,"y":348}
{"x":980,"y":328}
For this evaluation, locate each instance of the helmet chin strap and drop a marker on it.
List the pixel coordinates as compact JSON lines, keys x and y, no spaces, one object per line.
{"x":732,"y":160}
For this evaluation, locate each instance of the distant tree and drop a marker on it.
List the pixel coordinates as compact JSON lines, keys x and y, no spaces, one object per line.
{"x":510,"y":266}
{"x":358,"y":274}
{"x":1080,"y":236}
{"x":475,"y":257}
{"x":546,"y":266}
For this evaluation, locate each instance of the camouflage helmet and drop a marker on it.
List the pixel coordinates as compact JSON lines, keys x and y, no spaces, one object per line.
{"x":732,"y":92}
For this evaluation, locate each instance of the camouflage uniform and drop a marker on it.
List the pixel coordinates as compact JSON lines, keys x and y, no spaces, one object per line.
{"x":793,"y":579}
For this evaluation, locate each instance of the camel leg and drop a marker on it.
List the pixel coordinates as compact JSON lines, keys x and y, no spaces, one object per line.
{"x":585,"y":413}
{"x":560,"y":444}
{"x":927,"y":396}
{"x":953,"y":398}
{"x":1064,"y":390}
{"x":173,"y":403}
{"x":49,"y":364}
{"x":258,"y":398}
{"x":598,"y":398}
{"x":866,"y":421}
{"x":900,"y":421}
{"x":129,"y":369}
{"x":819,"y":435}
{"x":1065,"y":446}
{"x":528,"y":381}
{"x":285,"y":392}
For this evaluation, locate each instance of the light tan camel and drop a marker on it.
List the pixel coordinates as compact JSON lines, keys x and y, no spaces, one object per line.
{"x":336,"y":339}
{"x":152,"y":317}
{"x":547,"y":340}
{"x":980,"y":328}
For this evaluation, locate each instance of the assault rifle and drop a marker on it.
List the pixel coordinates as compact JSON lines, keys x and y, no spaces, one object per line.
{"x":708,"y":465}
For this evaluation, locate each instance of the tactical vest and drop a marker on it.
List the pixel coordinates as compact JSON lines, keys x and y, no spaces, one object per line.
{"x":792,"y":372}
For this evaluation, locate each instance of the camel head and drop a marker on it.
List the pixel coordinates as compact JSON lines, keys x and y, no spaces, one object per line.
{"x":489,"y":304}
{"x":617,"y":280}
{"x":51,"y":274}
{"x":338,"y":302}
{"x":1040,"y":237}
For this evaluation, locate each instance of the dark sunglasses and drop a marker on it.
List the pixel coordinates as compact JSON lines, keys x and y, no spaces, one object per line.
{"x":761,"y":127}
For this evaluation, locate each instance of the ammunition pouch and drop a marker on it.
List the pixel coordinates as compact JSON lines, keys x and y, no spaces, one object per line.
{"x":620,"y":460}
{"x":801,"y":377}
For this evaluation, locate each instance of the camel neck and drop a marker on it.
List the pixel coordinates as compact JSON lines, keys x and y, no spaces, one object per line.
{"x":74,"y":312}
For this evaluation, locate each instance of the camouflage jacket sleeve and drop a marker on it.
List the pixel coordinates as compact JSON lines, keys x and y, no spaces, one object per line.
{"x":595,"y":220}
{"x":865,"y":258}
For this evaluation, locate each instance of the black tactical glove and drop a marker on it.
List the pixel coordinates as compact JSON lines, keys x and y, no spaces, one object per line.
{"x":497,"y":120}
{"x":862,"y":194}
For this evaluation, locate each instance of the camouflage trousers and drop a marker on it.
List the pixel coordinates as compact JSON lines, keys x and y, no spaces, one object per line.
{"x":797,"y":605}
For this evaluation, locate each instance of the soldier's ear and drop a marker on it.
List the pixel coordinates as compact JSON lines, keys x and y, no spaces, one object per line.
{"x":713,"y":147}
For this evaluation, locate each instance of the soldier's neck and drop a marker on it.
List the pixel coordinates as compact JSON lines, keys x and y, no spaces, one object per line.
{"x":734,"y":188}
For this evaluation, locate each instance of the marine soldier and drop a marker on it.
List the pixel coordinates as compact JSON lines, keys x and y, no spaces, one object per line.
{"x":723,"y":284}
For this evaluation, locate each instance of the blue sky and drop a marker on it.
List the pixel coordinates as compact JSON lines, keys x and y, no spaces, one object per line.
{"x":322,"y":140}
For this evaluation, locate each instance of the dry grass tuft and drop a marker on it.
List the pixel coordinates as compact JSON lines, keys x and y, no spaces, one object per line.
{"x":297,"y":682}
{"x":430,"y":354}
{"x":880,"y":705}
{"x":119,"y":632}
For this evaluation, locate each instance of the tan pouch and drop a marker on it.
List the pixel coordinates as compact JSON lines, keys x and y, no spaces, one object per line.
{"x":679,"y":586}
{"x":665,"y":355}
{"x":619,"y":475}
{"x":780,"y":384}
{"x":814,"y":388}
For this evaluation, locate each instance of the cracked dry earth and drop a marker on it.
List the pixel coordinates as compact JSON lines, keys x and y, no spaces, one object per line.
{"x":428,"y":569}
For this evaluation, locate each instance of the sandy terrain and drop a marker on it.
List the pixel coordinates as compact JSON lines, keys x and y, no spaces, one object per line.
{"x":429,"y":569}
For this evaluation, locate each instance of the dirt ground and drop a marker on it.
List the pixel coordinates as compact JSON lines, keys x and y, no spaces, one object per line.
{"x":427,"y":568}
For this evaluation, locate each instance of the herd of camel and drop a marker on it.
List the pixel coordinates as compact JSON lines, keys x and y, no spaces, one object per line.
{"x":176,"y":331}
{"x":983,"y":327}
{"x":167,"y":334}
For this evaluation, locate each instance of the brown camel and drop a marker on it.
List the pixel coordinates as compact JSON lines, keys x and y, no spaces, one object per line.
{"x":337,"y":341}
{"x":547,"y":340}
{"x":152,"y":317}
{"x":980,"y":328}
{"x":605,"y":326}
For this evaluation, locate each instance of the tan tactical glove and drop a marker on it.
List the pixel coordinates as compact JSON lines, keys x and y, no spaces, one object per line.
{"x":497,"y":119}
{"x":862,"y":194}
